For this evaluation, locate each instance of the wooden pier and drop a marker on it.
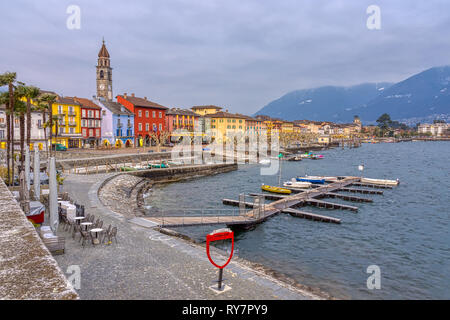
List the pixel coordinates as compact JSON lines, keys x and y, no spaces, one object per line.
{"x":346,"y":197}
{"x":329,"y":205}
{"x":364,"y":191}
{"x":310,"y":216}
{"x":371,"y":185}
{"x":260,"y":212}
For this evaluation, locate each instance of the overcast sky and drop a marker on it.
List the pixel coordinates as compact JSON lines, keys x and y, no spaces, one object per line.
{"x":239,"y":54}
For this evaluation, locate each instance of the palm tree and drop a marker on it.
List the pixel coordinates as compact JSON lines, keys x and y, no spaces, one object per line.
{"x":43,"y":108}
{"x":50,"y":100}
{"x":8,"y":78}
{"x":31,"y":92}
{"x":20,"y":110}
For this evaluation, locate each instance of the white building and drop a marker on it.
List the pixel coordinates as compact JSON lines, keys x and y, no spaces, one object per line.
{"x":37,"y":137}
{"x":436,"y":129}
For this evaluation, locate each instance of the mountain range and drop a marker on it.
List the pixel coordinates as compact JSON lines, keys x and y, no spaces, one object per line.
{"x":422,"y":97}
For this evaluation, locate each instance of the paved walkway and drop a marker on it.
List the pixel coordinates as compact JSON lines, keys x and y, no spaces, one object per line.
{"x":146,"y":264}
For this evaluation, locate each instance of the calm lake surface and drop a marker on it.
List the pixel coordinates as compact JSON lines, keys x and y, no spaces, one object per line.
{"x":405,"y":231}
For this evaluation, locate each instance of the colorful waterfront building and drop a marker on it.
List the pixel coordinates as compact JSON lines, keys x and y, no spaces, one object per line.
{"x":253,"y":126}
{"x":37,"y":132}
{"x":90,"y":122}
{"x":67,"y":130}
{"x":204,"y":110}
{"x":117,"y":125}
{"x":182,"y":119}
{"x":148,"y":117}
{"x":223,"y":122}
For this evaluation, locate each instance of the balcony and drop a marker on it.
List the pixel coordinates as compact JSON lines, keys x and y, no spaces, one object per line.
{"x":72,"y":123}
{"x":72,"y":113}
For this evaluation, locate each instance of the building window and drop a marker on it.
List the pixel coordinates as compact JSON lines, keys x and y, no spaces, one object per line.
{"x":71,"y":130}
{"x":2,"y":134}
{"x":154,"y":128}
{"x":140,"y":126}
{"x":83,"y":113}
{"x":160,"y":115}
{"x":146,"y":114}
{"x":154,"y":114}
{"x":160,"y":127}
{"x":139,"y":113}
{"x":147,"y":127}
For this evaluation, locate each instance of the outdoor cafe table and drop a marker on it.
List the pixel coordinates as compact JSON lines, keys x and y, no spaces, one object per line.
{"x":86,"y":224}
{"x":78,"y":219}
{"x":96,"y":231}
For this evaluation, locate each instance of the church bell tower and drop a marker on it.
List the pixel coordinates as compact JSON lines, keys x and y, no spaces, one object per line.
{"x":104,"y":74}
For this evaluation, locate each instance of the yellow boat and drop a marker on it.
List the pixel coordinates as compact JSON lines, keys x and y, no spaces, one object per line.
{"x":275,"y":189}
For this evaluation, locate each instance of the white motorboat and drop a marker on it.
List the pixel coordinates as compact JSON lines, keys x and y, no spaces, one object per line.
{"x":333,"y":179}
{"x":381,"y":181}
{"x":297,"y":184}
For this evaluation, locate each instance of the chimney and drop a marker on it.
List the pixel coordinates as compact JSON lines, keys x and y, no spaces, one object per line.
{"x":125,"y":95}
{"x":132,"y":95}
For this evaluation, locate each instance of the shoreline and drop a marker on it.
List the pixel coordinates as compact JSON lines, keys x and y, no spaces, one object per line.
{"x":263,"y":270}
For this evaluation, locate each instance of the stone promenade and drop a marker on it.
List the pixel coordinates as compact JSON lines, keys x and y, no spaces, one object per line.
{"x":146,"y":264}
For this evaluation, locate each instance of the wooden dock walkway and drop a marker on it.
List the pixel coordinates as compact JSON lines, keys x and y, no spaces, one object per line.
{"x":329,"y":205}
{"x":282,"y":203}
{"x":346,"y":197}
{"x":364,"y":191}
{"x":310,"y":216}
{"x":371,"y":185}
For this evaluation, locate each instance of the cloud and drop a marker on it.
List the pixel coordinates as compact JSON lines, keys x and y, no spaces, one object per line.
{"x":237,"y":54}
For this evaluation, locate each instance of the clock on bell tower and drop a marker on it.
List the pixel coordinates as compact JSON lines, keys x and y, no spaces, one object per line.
{"x":104,"y":74}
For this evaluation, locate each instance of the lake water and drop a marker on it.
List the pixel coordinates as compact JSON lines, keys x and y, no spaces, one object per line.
{"x":405,"y":231}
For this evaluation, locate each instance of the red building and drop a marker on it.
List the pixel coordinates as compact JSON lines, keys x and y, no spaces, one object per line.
{"x":148,"y":117}
{"x":90,"y":122}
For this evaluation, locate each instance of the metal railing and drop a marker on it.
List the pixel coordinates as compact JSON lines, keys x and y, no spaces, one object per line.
{"x":196,"y":217}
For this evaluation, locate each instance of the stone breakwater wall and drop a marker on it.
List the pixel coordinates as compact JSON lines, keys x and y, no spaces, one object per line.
{"x":123,"y":193}
{"x":27,"y":268}
{"x":111,"y":160}
{"x":185,"y":172}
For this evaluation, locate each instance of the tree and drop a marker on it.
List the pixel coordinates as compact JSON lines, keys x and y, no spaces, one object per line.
{"x":43,"y":108}
{"x":8,"y":78}
{"x":30,"y":93}
{"x":160,"y":138}
{"x":49,"y":99}
{"x":384,"y":121}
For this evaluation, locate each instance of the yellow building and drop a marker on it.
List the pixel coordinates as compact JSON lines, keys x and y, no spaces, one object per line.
{"x":325,"y":139}
{"x":68,"y":127}
{"x":222,"y":123}
{"x":204,"y":110}
{"x":287,"y":127}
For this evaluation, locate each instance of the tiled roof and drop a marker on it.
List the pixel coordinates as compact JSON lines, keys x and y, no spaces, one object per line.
{"x":103,"y":53}
{"x":117,"y":108}
{"x":206,"y":107}
{"x":222,"y":114}
{"x":66,"y":100}
{"x":181,"y":112}
{"x":141,"y":102}
{"x":86,"y":103}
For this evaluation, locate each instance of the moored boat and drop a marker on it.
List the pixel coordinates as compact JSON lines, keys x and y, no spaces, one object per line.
{"x":381,"y":181}
{"x":275,"y":189}
{"x":297,"y":184}
{"x":331,"y":179}
{"x":307,"y":179}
